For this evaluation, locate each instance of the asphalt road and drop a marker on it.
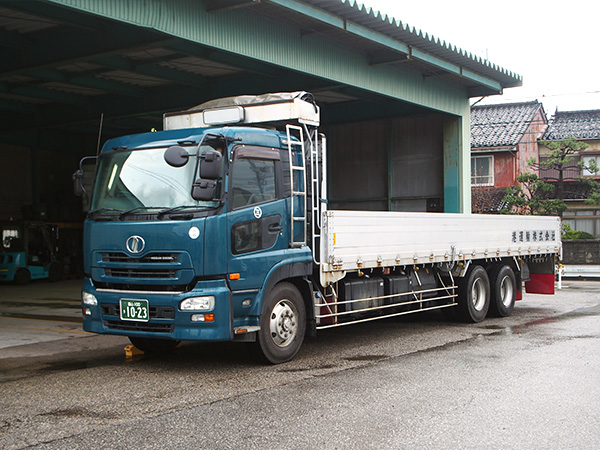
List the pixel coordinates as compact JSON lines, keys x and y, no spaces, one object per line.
{"x":528,"y":381}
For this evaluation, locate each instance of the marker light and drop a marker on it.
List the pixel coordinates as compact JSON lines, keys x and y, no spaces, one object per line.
{"x":197,"y":303}
{"x":88,"y":299}
{"x":203,"y":317}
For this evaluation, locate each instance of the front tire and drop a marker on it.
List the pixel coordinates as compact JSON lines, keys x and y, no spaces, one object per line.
{"x":503,"y":284}
{"x":474,"y":295}
{"x":282,"y":326}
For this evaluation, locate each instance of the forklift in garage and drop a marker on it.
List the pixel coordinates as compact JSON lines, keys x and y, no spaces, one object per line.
{"x":28,"y":253}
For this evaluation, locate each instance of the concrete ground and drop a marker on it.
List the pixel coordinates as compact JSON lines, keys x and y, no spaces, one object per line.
{"x":44,"y":314}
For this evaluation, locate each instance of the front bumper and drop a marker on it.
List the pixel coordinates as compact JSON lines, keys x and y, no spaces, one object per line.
{"x":166,"y":321}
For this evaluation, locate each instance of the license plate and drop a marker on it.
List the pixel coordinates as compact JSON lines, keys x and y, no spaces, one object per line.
{"x":134,"y":310}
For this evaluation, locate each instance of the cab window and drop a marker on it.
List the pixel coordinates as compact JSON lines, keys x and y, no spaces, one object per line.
{"x":253,"y":181}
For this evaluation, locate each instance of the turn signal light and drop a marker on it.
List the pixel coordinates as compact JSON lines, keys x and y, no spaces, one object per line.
{"x":234,"y":276}
{"x":203,"y":317}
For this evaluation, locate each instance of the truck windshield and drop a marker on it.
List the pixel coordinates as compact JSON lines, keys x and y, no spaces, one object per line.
{"x":140,"y":180}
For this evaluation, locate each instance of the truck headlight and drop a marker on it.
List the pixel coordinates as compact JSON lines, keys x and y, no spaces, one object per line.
{"x":197,"y":303}
{"x":88,"y":299}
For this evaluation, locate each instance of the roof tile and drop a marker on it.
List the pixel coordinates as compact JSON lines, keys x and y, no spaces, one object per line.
{"x":578,"y":124}
{"x":501,"y":125}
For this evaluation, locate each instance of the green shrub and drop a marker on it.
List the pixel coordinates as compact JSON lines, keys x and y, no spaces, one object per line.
{"x":569,"y":233}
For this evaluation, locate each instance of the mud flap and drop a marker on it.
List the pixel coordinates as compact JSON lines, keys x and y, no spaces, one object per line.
{"x":541,"y":279}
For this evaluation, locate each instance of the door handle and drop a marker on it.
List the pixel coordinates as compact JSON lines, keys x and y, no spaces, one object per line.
{"x":275,"y":228}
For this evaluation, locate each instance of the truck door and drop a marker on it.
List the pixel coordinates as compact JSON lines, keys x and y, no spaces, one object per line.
{"x":258,"y":236}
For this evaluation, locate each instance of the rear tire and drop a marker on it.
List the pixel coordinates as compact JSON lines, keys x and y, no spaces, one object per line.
{"x":473,"y":295}
{"x":282,"y":326}
{"x":503,"y":285}
{"x":152,"y":345}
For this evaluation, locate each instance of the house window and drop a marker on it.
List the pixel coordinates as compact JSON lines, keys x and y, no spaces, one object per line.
{"x":482,"y":170}
{"x":586,"y":164}
{"x":583,"y":220}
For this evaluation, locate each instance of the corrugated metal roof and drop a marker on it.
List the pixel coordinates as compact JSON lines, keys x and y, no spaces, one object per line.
{"x":388,"y":25}
{"x":578,"y":124}
{"x":501,"y":125}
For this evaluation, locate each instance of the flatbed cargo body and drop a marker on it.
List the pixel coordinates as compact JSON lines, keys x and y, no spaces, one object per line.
{"x":355,"y":240}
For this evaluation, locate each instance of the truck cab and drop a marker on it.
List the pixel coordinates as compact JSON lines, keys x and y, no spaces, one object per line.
{"x":188,"y":229}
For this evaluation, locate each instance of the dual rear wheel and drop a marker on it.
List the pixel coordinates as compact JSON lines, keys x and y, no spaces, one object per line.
{"x":481,"y":293}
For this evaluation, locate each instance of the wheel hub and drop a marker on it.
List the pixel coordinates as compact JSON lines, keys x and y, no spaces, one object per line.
{"x":283,"y":324}
{"x":506,"y":289}
{"x":478,"y":295}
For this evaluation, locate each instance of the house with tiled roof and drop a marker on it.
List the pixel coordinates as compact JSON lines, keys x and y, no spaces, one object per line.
{"x":504,"y":137}
{"x":583,"y":126}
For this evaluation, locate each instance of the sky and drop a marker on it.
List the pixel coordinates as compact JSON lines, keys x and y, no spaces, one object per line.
{"x":554,"y":45}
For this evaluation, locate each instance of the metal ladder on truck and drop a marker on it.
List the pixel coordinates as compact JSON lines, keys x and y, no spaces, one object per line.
{"x":311,"y":146}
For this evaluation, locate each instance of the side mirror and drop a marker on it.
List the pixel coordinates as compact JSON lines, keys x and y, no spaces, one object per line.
{"x":78,"y":188}
{"x":204,"y":190}
{"x":210,"y":166}
{"x":79,"y":177}
{"x":176,"y":156}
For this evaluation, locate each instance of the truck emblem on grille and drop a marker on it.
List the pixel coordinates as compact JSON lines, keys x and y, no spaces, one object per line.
{"x":135,"y":244}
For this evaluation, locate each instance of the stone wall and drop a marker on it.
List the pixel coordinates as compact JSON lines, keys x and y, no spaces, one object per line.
{"x":581,"y":252}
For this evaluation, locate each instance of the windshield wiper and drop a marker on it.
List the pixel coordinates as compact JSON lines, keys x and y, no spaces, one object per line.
{"x":95,"y":212}
{"x":137,"y":208}
{"x":164,"y":212}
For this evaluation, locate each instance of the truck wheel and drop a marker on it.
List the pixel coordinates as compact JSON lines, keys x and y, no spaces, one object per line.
{"x":503,"y":284}
{"x":22,"y":277}
{"x":474,"y":295}
{"x":152,"y":345}
{"x":282,"y":326}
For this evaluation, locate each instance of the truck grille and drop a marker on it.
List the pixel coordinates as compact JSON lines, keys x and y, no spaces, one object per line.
{"x":139,"y":326}
{"x":169,"y":271}
{"x":154,"y":258}
{"x":168,"y":288}
{"x":153,"y":265}
{"x":140,"y":273}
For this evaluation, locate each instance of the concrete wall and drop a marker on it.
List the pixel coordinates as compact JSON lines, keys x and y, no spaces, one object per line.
{"x":581,"y":252}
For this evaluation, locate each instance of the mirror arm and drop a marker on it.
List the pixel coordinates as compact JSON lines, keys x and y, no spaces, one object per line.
{"x":77,"y":177}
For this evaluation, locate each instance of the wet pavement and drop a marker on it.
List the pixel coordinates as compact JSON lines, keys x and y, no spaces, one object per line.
{"x":527,"y":381}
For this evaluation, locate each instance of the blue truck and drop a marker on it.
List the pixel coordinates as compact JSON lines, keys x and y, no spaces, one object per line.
{"x":218,"y":229}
